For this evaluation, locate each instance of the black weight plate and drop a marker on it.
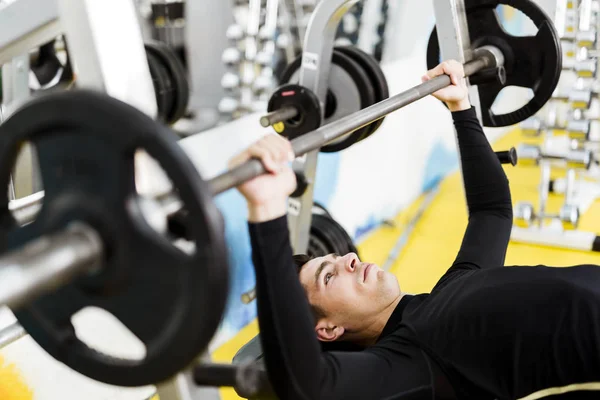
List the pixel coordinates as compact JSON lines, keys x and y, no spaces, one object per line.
{"x":173,"y":301}
{"x":178,"y":77}
{"x":332,"y":235}
{"x":375,"y":73}
{"x":318,"y":208}
{"x":163,"y":88}
{"x":352,"y":90}
{"x":304,"y":101}
{"x":533,"y":62}
{"x":322,"y":230}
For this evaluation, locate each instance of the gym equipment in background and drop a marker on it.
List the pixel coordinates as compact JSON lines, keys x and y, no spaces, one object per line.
{"x":569,"y":130}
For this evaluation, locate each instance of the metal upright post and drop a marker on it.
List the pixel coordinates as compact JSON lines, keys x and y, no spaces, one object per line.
{"x":314,"y":74}
{"x":455,"y":42}
{"x":97,"y":50}
{"x":15,"y":78}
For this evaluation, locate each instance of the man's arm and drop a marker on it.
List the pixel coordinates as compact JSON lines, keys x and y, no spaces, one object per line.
{"x":488,"y":197}
{"x":297,"y":367}
{"x":486,"y":185}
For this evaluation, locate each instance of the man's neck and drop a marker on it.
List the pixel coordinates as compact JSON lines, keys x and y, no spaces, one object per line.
{"x":371,"y":332}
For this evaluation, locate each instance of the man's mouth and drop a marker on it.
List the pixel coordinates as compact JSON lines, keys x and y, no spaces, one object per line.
{"x":366,"y":271}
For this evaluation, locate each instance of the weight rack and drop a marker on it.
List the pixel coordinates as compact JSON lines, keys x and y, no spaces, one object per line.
{"x":575,"y":111}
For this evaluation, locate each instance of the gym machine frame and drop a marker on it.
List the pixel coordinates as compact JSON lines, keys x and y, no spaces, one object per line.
{"x":314,"y":73}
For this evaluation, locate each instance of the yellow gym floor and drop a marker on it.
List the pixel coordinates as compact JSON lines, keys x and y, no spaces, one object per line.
{"x":435,"y":240}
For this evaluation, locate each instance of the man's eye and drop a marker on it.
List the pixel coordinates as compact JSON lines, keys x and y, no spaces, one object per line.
{"x":327,"y":277}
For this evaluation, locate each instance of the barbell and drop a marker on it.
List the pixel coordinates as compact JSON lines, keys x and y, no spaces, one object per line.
{"x":91,"y":243}
{"x":167,"y":203}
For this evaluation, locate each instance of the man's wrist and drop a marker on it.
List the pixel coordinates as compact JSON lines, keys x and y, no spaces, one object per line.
{"x":267,"y":211}
{"x":461,"y":105}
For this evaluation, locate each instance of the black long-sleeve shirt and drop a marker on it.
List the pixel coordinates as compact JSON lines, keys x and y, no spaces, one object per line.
{"x":484,"y":332}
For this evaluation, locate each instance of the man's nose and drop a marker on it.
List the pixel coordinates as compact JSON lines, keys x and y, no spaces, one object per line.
{"x":350,"y":261}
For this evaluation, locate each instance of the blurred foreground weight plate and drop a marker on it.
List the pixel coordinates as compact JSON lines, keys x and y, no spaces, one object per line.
{"x":172,"y":300}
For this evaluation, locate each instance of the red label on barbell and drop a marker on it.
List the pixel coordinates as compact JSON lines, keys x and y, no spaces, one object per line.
{"x":288,"y":93}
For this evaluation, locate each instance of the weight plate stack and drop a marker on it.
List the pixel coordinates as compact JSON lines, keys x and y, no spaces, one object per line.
{"x":375,"y":74}
{"x":163,"y":86}
{"x":350,"y":90}
{"x":174,"y":85}
{"x":327,"y":236}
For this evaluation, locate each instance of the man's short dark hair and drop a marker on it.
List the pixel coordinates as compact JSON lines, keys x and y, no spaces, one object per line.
{"x":300,"y":260}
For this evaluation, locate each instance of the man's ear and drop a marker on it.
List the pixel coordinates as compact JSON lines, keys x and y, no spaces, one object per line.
{"x":328,"y":332}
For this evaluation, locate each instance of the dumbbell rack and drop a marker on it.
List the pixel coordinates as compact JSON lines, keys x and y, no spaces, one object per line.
{"x":574,"y":109}
{"x":251,"y":58}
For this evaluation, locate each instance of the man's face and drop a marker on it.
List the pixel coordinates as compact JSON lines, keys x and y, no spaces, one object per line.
{"x":349,"y":291}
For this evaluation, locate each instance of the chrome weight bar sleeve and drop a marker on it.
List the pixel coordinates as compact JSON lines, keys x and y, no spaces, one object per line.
{"x":11,"y":334}
{"x":486,"y":57}
{"x":49,"y":262}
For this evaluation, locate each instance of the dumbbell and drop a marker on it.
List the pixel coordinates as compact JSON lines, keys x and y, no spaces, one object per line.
{"x":531,"y":127}
{"x":570,"y":25}
{"x":587,"y":39}
{"x":230,"y":81}
{"x":569,"y":53}
{"x":263,"y":84}
{"x":266,"y":33}
{"x":586,"y":68}
{"x":581,"y":99}
{"x":584,"y":130}
{"x":228,"y":105}
{"x":264,"y":58}
{"x":231,"y":57}
{"x":525,"y":216}
{"x":531,"y":155}
{"x":560,"y":94}
{"x":234,"y":33}
{"x":283,"y":41}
